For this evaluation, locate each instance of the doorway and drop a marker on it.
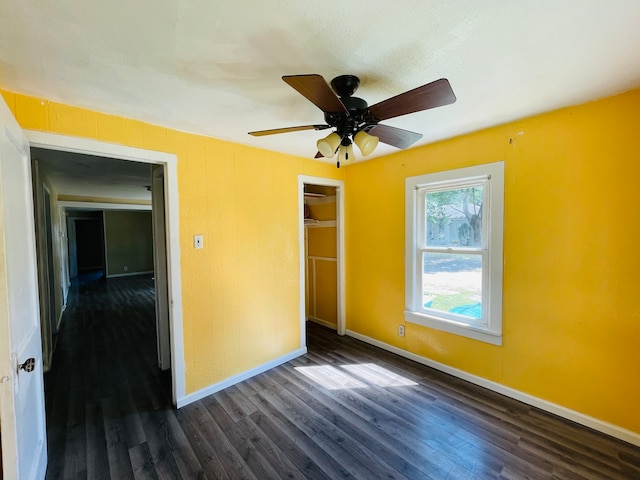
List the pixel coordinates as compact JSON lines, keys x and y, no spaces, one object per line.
{"x":168,"y":162}
{"x":321,"y":279}
{"x":106,"y":240}
{"x":321,"y":203}
{"x":85,"y":244}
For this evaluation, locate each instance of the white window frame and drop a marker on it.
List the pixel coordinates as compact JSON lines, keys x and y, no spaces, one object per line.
{"x":491,"y":176}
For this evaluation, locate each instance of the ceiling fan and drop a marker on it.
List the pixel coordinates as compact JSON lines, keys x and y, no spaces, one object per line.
{"x":356,"y":122}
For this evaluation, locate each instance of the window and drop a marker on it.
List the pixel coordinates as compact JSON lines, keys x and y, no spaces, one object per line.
{"x":454,"y":251}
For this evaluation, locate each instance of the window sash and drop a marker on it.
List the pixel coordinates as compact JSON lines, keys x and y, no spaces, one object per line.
{"x":489,"y":327}
{"x":421,"y":199}
{"x":441,"y":314}
{"x":422,"y":247}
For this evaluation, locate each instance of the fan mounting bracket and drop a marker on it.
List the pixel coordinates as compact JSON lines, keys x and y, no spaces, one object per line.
{"x":345,"y":85}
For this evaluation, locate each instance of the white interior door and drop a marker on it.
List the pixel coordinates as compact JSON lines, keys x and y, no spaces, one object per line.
{"x":22,"y":416}
{"x":160,"y":266}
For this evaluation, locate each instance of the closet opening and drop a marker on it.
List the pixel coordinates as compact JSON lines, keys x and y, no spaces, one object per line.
{"x":322,"y":253}
{"x":321,"y":277}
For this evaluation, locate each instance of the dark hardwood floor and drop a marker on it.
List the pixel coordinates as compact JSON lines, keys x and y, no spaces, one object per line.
{"x":344,"y":410}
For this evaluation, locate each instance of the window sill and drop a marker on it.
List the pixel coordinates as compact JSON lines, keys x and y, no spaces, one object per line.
{"x":457,"y":328}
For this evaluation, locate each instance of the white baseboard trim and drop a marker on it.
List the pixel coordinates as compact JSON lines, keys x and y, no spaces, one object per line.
{"x":591,"y":422}
{"x":59,"y":321}
{"x":128,"y":274}
{"x":324,"y":323}
{"x":216,"y":387}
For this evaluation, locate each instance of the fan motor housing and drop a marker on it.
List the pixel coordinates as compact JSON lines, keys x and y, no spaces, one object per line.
{"x":348,"y":124}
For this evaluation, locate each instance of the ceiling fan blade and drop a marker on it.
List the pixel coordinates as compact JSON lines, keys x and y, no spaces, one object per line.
{"x":315,"y":89}
{"x":273,"y":131}
{"x":431,"y":95}
{"x":319,"y":155}
{"x":396,"y":137}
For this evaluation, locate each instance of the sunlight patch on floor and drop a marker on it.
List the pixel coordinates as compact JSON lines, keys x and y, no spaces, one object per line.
{"x":378,"y":375}
{"x":333,"y":378}
{"x":330,"y":377}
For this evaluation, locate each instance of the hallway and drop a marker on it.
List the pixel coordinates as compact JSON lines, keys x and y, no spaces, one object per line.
{"x":105,"y":392}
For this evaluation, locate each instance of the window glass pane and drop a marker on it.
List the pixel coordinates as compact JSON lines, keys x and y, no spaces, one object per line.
{"x":454,"y":217}
{"x":453,"y":283}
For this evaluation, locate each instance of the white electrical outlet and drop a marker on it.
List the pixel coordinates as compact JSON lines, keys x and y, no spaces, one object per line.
{"x":125,"y":268}
{"x":401,"y":330}
{"x":198,"y":241}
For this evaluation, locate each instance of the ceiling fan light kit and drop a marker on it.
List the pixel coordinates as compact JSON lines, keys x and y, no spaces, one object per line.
{"x":354,"y":121}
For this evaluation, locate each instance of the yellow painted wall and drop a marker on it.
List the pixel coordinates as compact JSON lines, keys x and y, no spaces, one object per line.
{"x":241,"y":293}
{"x":571,"y":268}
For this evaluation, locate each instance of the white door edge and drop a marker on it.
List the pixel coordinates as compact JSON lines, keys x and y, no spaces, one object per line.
{"x":22,"y":410}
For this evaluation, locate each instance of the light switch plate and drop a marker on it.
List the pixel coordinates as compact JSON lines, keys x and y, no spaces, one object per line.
{"x":198,"y":241}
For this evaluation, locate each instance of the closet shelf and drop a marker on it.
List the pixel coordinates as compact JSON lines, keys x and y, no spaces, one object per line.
{"x":311,"y":222}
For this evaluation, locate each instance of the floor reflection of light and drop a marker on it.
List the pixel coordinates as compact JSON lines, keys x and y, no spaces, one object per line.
{"x":333,"y":378}
{"x":330,"y":377}
{"x":378,"y":375}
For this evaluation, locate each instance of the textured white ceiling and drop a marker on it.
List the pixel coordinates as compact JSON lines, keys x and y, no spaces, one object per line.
{"x":215,"y":67}
{"x":97,"y":177}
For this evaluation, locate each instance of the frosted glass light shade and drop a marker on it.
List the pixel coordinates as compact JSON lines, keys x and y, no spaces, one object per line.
{"x":327,"y":146}
{"x":345,"y":153}
{"x":365,"y":142}
{"x":342,"y":152}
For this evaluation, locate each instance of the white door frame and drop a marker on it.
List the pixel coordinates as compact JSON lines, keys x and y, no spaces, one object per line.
{"x":163,"y":337}
{"x":170,"y":162}
{"x":339,"y":186}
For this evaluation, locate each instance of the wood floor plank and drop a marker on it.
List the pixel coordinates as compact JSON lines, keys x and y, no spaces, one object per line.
{"x":242,"y":442}
{"x":75,"y":461}
{"x":318,"y":455}
{"x":232,"y":461}
{"x":97,"y":455}
{"x":355,"y":457}
{"x":159,"y":446}
{"x":371,"y":424}
{"x":297,"y":455}
{"x":394,"y":426}
{"x":362,"y":434}
{"x":205,"y":444}
{"x":182,"y":451}
{"x":393,"y":422}
{"x":142,"y":462}
{"x":109,"y":413}
{"x":116,"y":438}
